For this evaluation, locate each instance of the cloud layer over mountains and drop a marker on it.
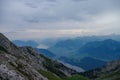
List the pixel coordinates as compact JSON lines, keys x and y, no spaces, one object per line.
{"x":43,"y":18}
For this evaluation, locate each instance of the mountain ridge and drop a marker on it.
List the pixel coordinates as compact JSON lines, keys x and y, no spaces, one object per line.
{"x":24,"y":63}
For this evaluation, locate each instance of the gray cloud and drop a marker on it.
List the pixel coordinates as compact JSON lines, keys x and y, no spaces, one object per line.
{"x":79,"y":0}
{"x":99,"y":16}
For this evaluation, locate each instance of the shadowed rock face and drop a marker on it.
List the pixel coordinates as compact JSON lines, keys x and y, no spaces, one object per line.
{"x":23,"y":63}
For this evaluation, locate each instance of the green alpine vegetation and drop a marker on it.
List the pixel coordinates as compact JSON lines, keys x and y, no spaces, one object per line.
{"x":49,"y":75}
{"x":76,"y":77}
{"x":52,"y":76}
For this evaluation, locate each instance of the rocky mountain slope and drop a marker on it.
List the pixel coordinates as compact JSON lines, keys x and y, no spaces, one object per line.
{"x":24,"y":63}
{"x":111,"y":71}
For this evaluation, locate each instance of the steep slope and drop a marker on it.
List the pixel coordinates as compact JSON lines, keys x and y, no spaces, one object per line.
{"x":25,"y":63}
{"x":111,"y":71}
{"x":14,"y":63}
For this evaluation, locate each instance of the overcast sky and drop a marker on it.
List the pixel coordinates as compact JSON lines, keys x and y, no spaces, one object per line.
{"x":34,"y":19}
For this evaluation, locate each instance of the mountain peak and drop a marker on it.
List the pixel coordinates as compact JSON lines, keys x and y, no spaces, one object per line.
{"x":2,"y":37}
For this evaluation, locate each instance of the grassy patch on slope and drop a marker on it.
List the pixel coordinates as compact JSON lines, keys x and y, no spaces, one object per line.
{"x":49,"y":75}
{"x":53,"y":69}
{"x":110,"y":76}
{"x":76,"y":77}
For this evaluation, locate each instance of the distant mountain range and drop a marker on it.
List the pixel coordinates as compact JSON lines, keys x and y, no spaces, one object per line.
{"x":45,"y":52}
{"x":106,"y":50}
{"x":80,"y":51}
{"x":25,"y":43}
{"x":99,"y":49}
{"x":66,"y":47}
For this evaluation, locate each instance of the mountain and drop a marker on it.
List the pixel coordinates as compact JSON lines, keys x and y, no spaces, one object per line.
{"x":65,"y":47}
{"x":104,"y":50}
{"x":45,"y":52}
{"x":111,"y":71}
{"x":70,"y":46}
{"x":25,"y":43}
{"x":24,"y":63}
{"x":87,"y":63}
{"x":94,"y":49}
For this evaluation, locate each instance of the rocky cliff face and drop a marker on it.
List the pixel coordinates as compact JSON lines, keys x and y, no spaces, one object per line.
{"x":25,"y":64}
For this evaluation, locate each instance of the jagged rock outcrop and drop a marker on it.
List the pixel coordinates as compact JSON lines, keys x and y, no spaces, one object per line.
{"x":14,"y":63}
{"x":24,"y":63}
